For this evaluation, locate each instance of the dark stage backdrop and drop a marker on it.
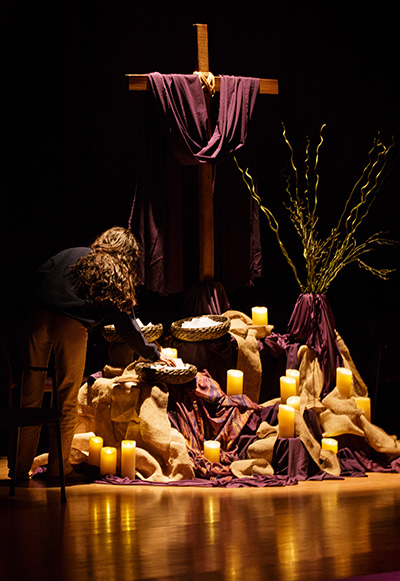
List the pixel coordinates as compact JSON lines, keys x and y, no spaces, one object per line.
{"x":76,"y":138}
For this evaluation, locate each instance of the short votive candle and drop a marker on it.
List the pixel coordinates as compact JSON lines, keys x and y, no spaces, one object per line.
{"x":212,"y":450}
{"x":259,"y":315}
{"x":170,"y":352}
{"x":108,"y":460}
{"x":234,"y":382}
{"x":364,"y":403}
{"x":329,"y":444}
{"x":294,"y":402}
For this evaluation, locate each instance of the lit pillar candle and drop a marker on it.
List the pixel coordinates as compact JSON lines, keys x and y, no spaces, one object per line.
{"x":329,"y":444}
{"x":212,"y":450}
{"x":108,"y":460}
{"x":365,"y":404}
{"x":286,"y":421}
{"x":288,"y":387}
{"x":95,"y":446}
{"x":170,"y":352}
{"x":296,"y":374}
{"x":128,"y":459}
{"x":234,"y":382}
{"x":344,"y":381}
{"x":259,"y":315}
{"x":294,"y":402}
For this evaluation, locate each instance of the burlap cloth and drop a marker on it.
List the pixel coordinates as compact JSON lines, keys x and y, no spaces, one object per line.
{"x":121,"y":407}
{"x":246,"y":335}
{"x":125,"y":407}
{"x":336,"y":416}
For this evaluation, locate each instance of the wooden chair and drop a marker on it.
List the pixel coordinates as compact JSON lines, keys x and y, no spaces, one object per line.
{"x":15,"y":418}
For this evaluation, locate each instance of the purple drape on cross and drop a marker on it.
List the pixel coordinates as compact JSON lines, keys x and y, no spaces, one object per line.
{"x":185,"y":117}
{"x":161,"y":203}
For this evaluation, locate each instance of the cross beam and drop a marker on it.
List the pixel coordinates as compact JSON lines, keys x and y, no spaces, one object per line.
{"x":140,"y":82}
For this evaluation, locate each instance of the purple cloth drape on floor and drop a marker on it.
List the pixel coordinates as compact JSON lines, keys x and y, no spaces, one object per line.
{"x":184,"y":114}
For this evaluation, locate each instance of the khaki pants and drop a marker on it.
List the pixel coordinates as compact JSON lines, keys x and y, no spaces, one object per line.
{"x":44,"y":331}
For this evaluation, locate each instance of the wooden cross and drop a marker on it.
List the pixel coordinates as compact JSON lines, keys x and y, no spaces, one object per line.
{"x":139,"y":82}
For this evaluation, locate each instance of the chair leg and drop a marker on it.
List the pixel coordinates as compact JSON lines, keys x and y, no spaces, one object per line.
{"x":57,"y":426}
{"x":15,"y":444}
{"x":60,"y":462}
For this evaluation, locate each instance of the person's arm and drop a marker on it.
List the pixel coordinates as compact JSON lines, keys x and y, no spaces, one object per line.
{"x":128,"y":329}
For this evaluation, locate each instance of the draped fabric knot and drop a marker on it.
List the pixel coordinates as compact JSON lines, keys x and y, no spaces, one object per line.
{"x":207,"y":81}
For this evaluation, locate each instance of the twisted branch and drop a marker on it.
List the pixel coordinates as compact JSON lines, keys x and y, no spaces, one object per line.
{"x":325,"y":258}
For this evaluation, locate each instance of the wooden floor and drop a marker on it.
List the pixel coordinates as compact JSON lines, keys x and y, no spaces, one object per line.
{"x":310,"y":531}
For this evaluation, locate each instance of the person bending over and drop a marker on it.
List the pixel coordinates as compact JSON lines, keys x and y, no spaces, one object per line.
{"x":72,"y":292}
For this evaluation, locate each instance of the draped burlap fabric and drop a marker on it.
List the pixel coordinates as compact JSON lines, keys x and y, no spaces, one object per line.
{"x":125,"y":408}
{"x":248,"y":361}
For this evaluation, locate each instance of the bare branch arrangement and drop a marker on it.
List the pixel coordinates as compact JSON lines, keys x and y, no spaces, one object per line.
{"x":326,"y":256}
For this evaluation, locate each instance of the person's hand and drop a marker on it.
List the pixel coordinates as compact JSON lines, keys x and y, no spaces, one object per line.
{"x":167,"y":360}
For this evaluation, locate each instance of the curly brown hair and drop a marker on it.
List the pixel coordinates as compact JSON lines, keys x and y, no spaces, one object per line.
{"x":109,"y":272}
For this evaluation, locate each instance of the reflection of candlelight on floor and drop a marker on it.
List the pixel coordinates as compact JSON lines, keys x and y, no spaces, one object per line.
{"x":288,"y":546}
{"x":347,"y":534}
{"x":233,"y":568}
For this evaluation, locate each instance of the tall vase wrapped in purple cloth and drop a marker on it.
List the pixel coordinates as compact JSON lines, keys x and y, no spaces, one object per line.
{"x":312,"y":323}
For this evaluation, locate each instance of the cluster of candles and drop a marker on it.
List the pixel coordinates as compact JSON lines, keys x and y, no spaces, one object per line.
{"x":106,"y":457}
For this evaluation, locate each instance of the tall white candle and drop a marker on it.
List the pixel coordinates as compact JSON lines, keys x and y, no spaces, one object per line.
{"x":288,"y":387}
{"x":296,"y":374}
{"x":95,"y":446}
{"x":108,"y":460}
{"x":344,"y":381}
{"x":128,"y":459}
{"x":259,"y":315}
{"x":286,"y":421}
{"x":234,"y":382}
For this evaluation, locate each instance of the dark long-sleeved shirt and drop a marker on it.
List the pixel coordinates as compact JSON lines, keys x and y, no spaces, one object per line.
{"x":53,"y":290}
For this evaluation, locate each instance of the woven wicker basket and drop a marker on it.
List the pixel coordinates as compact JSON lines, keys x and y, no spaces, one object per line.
{"x":202,"y":333}
{"x":151,"y":333}
{"x":165,"y":374}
